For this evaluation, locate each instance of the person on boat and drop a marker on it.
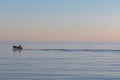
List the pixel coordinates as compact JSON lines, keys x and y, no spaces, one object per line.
{"x":20,"y":47}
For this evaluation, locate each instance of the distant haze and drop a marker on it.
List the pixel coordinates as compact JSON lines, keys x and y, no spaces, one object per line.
{"x":60,"y":20}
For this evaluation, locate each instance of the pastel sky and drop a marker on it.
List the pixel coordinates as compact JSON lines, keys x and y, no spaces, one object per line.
{"x":60,"y":20}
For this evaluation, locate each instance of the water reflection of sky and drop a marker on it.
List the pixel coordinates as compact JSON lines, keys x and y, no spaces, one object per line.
{"x":35,"y":64}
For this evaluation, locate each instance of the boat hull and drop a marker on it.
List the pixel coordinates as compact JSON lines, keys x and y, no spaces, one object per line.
{"x":17,"y":48}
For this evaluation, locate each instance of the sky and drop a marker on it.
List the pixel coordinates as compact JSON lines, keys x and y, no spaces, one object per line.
{"x":60,"y":20}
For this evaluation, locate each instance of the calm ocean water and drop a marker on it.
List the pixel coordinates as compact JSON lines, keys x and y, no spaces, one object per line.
{"x":60,"y":61}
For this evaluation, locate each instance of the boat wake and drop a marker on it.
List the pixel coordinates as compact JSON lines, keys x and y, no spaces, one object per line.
{"x":89,"y":50}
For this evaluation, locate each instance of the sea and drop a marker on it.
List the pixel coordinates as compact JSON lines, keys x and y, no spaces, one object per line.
{"x":60,"y":61}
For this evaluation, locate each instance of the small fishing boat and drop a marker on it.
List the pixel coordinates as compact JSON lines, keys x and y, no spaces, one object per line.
{"x":17,"y":47}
